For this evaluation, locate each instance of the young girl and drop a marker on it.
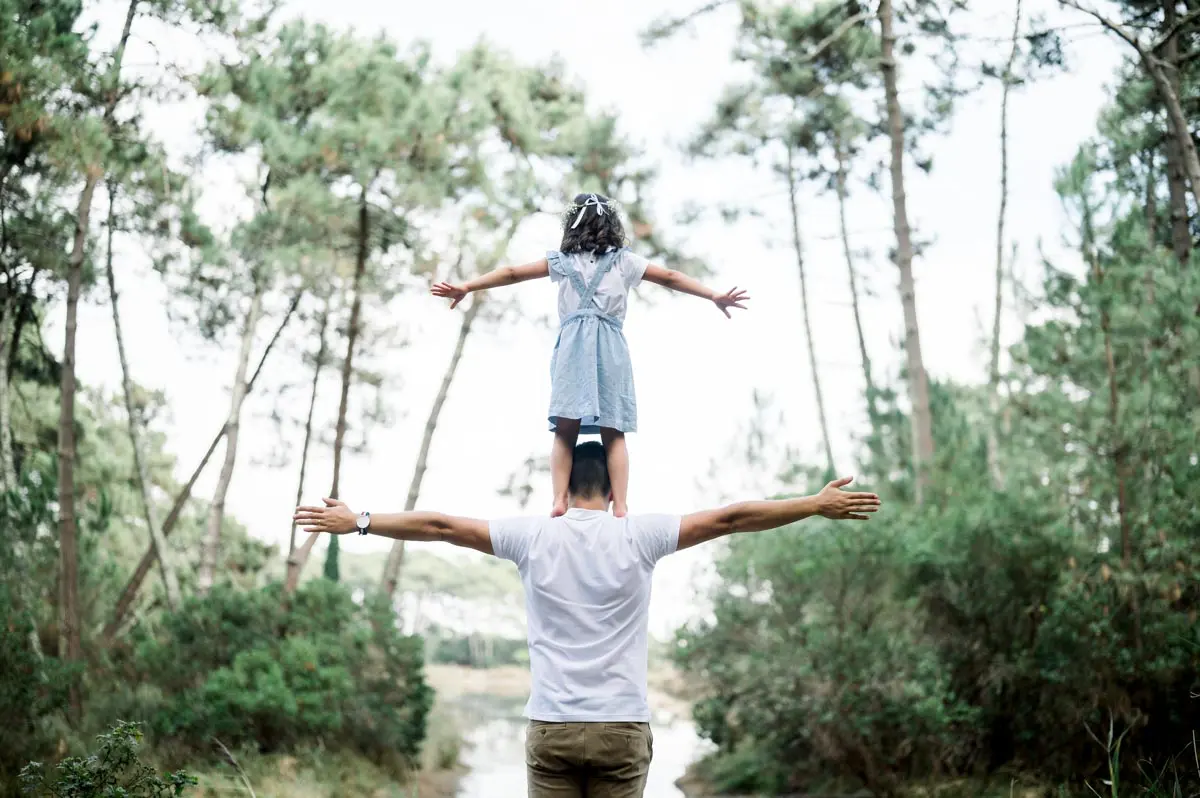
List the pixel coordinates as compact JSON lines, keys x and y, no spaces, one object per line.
{"x":591,"y":376}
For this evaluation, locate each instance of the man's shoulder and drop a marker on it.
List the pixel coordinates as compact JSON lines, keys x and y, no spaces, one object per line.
{"x":511,"y":536}
{"x":644,"y":520}
{"x":517,"y":521}
{"x":533,"y":522}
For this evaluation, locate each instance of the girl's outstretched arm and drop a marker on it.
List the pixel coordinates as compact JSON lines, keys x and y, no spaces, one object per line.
{"x":678,"y":281}
{"x":505,"y":275}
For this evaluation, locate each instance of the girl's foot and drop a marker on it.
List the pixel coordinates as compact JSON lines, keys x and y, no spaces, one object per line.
{"x":620,"y":510}
{"x":560,"y":508}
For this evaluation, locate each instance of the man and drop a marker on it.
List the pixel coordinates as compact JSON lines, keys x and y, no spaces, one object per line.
{"x":587,"y":595}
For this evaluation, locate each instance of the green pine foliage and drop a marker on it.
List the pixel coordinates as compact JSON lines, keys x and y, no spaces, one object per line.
{"x":1046,"y":632}
{"x":331,"y":569}
{"x":113,"y":770}
{"x":991,"y":632}
{"x":255,"y":672}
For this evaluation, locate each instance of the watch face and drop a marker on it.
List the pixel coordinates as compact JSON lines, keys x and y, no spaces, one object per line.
{"x":362,"y":521}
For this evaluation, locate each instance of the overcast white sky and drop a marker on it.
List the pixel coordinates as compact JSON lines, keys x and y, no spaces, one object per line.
{"x":694,"y":370}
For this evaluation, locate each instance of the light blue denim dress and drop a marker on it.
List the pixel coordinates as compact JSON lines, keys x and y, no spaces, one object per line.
{"x":591,"y":377}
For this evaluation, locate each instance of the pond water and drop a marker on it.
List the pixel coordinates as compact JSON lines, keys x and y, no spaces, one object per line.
{"x":495,"y":755}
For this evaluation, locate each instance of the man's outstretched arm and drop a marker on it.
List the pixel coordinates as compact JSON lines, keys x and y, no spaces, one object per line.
{"x":831,"y":502}
{"x":338,"y":519}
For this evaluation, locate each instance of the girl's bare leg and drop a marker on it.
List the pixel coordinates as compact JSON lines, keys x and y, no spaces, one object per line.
{"x":562,"y":454}
{"x":618,"y":468}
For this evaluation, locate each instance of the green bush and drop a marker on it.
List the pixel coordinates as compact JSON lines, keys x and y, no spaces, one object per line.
{"x":246,"y":669}
{"x":747,"y":768}
{"x":32,"y":690}
{"x":986,"y":634}
{"x":33,"y":684}
{"x":814,"y":664}
{"x":1042,"y":634}
{"x":114,"y":771}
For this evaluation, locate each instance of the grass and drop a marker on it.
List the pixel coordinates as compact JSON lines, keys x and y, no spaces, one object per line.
{"x":443,"y":741}
{"x":1178,"y":778}
{"x":317,"y":773}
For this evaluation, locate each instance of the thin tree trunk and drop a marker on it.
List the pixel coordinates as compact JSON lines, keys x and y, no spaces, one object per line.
{"x":1178,"y":124}
{"x":1119,"y":458}
{"x":395,"y":561}
{"x":1120,"y":464}
{"x":308,"y":423}
{"x":842,"y":195}
{"x":8,"y":473}
{"x":1151,"y":213}
{"x":158,"y":541}
{"x":69,"y":620}
{"x":1181,"y":237}
{"x":1151,"y":226}
{"x":299,"y":556}
{"x":993,"y":437}
{"x":1119,"y":452}
{"x":360,"y":270}
{"x":125,"y":602}
{"x":812,"y":347}
{"x":331,"y":570}
{"x":1152,"y":238}
{"x":211,"y":548}
{"x":1179,"y":139}
{"x":211,"y":545}
{"x":67,"y":524}
{"x":922,"y":420}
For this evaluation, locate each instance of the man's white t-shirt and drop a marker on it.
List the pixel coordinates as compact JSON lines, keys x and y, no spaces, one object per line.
{"x":587,"y":598}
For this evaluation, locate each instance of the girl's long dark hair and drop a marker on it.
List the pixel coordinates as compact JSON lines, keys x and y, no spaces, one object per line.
{"x":596,"y":232}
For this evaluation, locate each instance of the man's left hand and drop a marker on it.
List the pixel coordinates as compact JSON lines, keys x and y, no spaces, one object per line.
{"x":335,"y":518}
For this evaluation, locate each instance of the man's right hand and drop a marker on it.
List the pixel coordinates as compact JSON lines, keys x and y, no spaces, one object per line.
{"x":831,"y":502}
{"x":840,"y":505}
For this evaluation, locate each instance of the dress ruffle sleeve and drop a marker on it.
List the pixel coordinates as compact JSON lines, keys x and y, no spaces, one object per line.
{"x":559,"y":268}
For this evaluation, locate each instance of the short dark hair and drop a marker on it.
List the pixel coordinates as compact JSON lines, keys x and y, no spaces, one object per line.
{"x":589,"y":472}
{"x":596,"y":232}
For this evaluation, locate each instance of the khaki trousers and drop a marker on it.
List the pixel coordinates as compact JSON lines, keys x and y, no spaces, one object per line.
{"x":588,"y":760}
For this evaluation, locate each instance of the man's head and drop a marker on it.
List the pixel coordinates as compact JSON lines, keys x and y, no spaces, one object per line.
{"x":589,"y":474}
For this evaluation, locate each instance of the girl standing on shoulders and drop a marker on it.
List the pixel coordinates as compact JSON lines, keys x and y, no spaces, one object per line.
{"x":590,"y":371}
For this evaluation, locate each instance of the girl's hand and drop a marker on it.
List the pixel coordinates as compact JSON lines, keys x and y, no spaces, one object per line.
{"x":455,"y":293}
{"x":733,"y":298}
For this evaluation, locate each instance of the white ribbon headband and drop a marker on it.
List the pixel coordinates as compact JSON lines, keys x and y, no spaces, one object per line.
{"x":591,"y":201}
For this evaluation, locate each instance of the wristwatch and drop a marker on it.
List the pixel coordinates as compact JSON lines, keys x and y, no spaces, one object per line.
{"x":362,"y":522}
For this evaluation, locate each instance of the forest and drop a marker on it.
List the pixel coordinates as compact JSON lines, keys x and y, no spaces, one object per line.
{"x":1023,"y":615}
